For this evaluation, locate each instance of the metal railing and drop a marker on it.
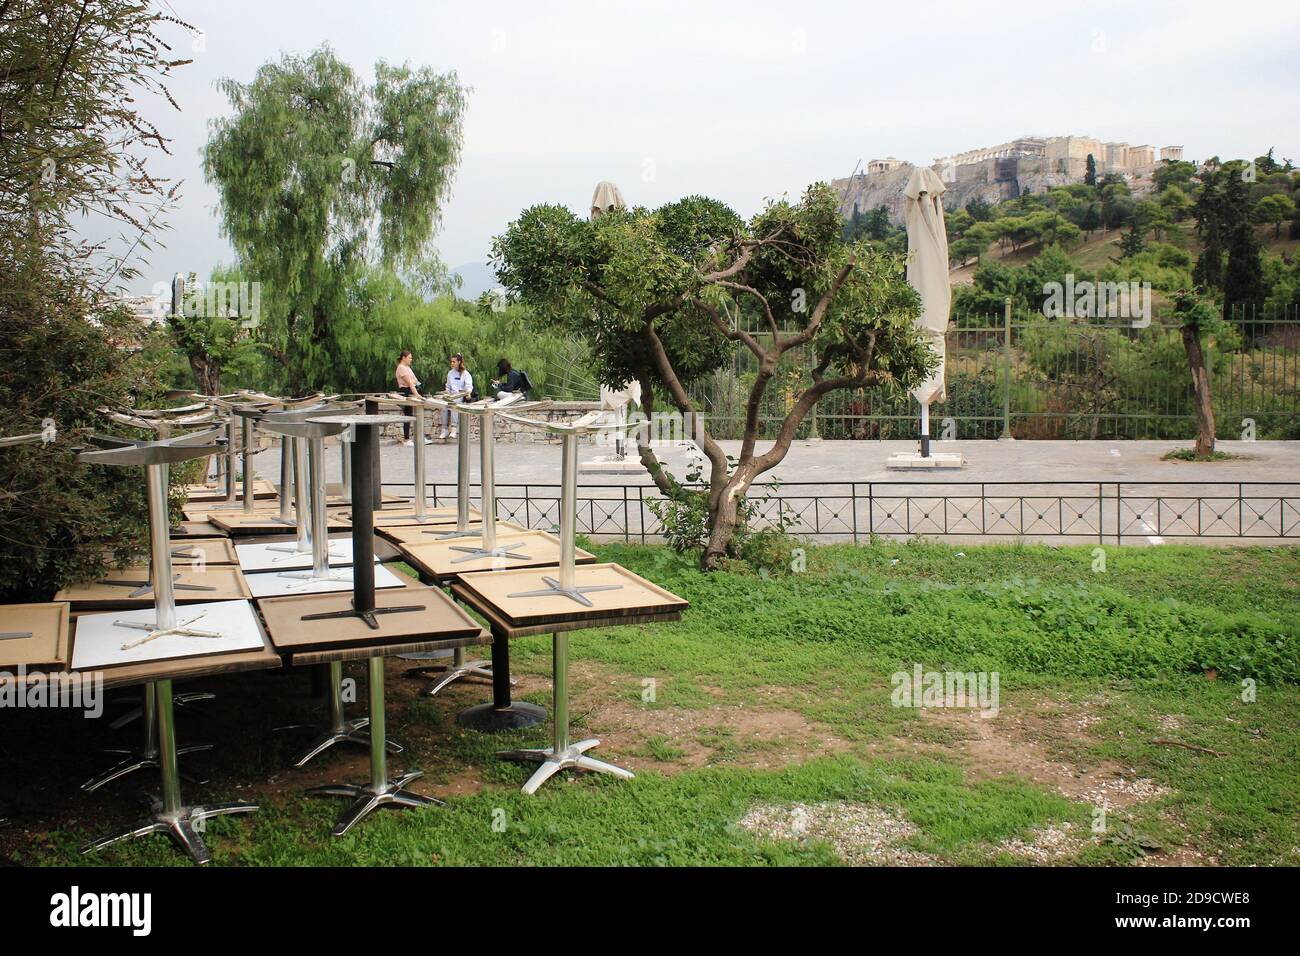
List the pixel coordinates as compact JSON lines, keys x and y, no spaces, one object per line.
{"x":1053,"y":379}
{"x":1104,"y":511}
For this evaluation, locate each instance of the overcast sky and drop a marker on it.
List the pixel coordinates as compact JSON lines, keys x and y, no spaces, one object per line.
{"x":745,"y":100}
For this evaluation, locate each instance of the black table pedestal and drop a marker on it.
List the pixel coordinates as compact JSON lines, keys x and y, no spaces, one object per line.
{"x":502,"y":713}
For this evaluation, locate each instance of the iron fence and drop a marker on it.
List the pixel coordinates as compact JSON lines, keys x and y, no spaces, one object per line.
{"x":1051,"y":379}
{"x":1104,"y":511}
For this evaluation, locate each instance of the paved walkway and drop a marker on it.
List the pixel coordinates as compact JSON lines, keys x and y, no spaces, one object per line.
{"x":841,"y":490}
{"x":987,"y":461}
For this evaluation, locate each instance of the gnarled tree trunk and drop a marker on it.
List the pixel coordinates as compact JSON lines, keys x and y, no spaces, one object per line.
{"x":1201,"y":386}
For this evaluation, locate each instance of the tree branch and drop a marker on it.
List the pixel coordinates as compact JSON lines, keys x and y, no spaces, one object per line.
{"x":712,"y":450}
{"x":819,"y":311}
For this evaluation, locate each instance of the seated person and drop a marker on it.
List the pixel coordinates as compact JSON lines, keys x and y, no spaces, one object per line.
{"x":459,"y":382}
{"x":511,"y":379}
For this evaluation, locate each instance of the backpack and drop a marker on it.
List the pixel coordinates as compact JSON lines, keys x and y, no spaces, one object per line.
{"x":525,"y":384}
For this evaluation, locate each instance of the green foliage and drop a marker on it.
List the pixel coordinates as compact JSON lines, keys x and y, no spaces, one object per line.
{"x":74,"y":144}
{"x":607,"y":279}
{"x":1167,"y":267}
{"x":1275,"y":208}
{"x":208,"y":339}
{"x":982,"y":301}
{"x":322,"y":179}
{"x":61,"y":521}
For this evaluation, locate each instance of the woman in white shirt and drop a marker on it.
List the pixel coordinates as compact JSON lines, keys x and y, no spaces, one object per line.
{"x":459,"y":382}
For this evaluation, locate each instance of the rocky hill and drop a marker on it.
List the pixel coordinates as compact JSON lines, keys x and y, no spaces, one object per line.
{"x":993,"y":180}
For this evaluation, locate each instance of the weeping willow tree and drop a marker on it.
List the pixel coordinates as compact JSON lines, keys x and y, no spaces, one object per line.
{"x":322,"y":178}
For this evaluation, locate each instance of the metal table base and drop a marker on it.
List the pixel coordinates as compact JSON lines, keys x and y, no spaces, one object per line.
{"x":452,"y":670}
{"x":341,"y":730}
{"x":168,"y":815}
{"x":181,"y":702}
{"x":380,"y":792}
{"x":501,"y":713}
{"x":148,"y":754}
{"x":562,"y":754}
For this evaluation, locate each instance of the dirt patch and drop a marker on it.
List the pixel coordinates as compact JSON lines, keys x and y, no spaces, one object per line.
{"x":672,"y":739}
{"x":862,"y":834}
{"x":1018,"y":742}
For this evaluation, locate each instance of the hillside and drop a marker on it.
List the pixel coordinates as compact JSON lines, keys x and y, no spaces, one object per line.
{"x":1099,"y":249}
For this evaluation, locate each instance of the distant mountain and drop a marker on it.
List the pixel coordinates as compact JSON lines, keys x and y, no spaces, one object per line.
{"x":476,"y":278}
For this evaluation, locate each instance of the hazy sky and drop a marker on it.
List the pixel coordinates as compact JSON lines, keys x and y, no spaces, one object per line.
{"x":747,"y":100}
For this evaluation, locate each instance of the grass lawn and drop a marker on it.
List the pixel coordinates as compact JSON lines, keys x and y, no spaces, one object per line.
{"x":1148,"y":713}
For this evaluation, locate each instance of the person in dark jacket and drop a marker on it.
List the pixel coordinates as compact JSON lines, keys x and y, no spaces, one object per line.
{"x":511,"y":379}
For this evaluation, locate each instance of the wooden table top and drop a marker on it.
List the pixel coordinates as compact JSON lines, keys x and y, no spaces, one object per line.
{"x":48,"y":625}
{"x":440,"y":625}
{"x":637,"y":601}
{"x":227,"y":580}
{"x":179,"y":668}
{"x":440,"y":561}
{"x":423,"y":534}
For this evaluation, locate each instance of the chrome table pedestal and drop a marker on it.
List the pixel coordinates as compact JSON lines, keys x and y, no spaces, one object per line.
{"x":148,"y":754}
{"x":180,"y":701}
{"x":380,"y":792}
{"x":562,"y":754}
{"x":565,"y":584}
{"x":458,"y":666}
{"x":462,"y":485}
{"x":341,"y":730}
{"x":488,"y":548}
{"x":168,"y":815}
{"x":452,"y":670}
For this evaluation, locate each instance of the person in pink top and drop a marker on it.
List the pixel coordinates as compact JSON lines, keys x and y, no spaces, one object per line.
{"x":408,"y":385}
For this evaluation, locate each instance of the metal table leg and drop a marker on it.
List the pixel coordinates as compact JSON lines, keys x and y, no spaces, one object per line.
{"x":457,"y":668}
{"x":462,"y":484}
{"x":148,"y":754}
{"x":181,"y":701}
{"x":169,"y":815}
{"x":340,"y":730}
{"x":487,"y":502}
{"x":381,"y":791}
{"x":561,"y":755}
{"x":501,"y":713}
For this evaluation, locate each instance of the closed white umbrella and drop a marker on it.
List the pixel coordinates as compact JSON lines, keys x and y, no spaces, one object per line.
{"x":927,"y":271}
{"x":606,"y":198}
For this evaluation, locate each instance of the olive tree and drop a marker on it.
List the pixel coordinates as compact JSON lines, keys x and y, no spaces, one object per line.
{"x":663,"y":297}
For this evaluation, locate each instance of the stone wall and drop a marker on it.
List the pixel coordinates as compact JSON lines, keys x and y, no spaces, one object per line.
{"x":508,"y":431}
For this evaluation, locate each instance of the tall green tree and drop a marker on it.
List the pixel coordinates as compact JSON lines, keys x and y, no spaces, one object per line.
{"x":1090,"y":171}
{"x":322,"y":176}
{"x":664,"y":296}
{"x":1212,"y":227}
{"x":1243,"y":278}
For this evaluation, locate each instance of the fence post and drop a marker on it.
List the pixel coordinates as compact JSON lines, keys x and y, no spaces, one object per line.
{"x":1006,"y":370}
